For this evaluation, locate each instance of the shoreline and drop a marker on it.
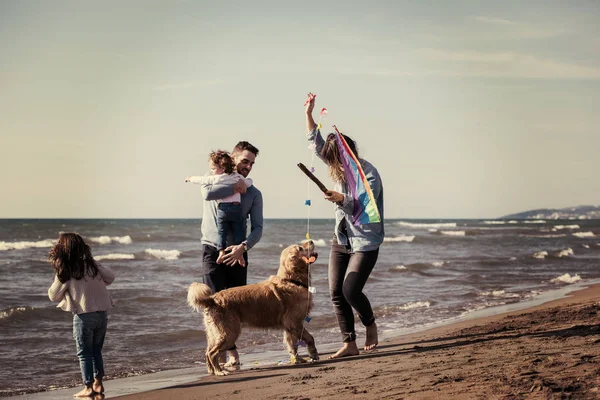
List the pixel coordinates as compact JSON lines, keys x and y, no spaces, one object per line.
{"x":131,"y":388}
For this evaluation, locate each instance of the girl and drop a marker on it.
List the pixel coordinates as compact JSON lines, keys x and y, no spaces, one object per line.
{"x":355,"y":248}
{"x":80,"y":287}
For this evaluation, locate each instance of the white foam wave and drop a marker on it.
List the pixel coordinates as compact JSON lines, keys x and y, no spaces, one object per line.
{"x":401,"y":238}
{"x":566,"y":227}
{"x":587,"y":246}
{"x":494,"y":222}
{"x":512,"y":221}
{"x":4,"y":246}
{"x":453,"y":233}
{"x":399,"y":267}
{"x":164,"y":254}
{"x":565,"y":253}
{"x":584,"y":234}
{"x":559,"y":235}
{"x":415,"y":304}
{"x":110,"y":239}
{"x":320,"y":242}
{"x":10,"y":311}
{"x":430,"y":225}
{"x":115,"y":256}
{"x":438,"y":263}
{"x":499,"y":293}
{"x":540,"y":255}
{"x":538,"y":221}
{"x":566,"y":278}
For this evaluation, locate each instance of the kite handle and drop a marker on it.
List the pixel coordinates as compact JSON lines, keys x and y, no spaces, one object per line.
{"x":313,"y":178}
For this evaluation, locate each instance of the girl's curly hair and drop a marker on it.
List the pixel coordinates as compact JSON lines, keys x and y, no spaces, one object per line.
{"x":223,"y":160}
{"x":72,"y":258}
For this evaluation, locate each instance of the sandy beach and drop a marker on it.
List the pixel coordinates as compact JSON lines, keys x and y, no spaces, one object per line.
{"x":547,"y":351}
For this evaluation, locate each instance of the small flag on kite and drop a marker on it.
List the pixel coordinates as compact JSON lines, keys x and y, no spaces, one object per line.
{"x":365,"y":208}
{"x":323,"y":111}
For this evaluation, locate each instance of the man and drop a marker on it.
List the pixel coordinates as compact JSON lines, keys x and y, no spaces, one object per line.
{"x":233,"y":271}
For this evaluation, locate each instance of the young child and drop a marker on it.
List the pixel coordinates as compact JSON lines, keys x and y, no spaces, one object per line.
{"x":229,"y":210}
{"x":80,"y":287}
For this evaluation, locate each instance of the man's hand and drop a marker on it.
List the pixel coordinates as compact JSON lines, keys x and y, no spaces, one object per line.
{"x":310,"y":103}
{"x":234,"y":255}
{"x":239,"y":187}
{"x":334,"y":197}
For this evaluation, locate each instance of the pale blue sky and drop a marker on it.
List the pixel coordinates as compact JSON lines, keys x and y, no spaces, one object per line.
{"x":470,"y":109}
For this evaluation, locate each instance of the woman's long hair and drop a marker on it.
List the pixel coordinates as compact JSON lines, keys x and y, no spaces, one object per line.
{"x":331,"y":155}
{"x":72,"y":258}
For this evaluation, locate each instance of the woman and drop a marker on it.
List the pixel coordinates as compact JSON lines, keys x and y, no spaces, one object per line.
{"x":355,"y":247}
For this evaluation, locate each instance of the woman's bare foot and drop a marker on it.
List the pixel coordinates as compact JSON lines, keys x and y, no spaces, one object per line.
{"x":85,"y":392}
{"x":97,"y":386}
{"x":348,"y":349}
{"x":221,"y":255}
{"x":371,"y":341}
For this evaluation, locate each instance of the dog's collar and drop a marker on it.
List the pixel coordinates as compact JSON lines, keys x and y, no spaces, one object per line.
{"x":295,"y":282}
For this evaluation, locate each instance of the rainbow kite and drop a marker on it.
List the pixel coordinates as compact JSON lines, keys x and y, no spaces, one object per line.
{"x":365,"y":208}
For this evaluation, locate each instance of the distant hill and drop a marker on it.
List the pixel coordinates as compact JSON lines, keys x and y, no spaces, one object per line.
{"x":580,"y":212}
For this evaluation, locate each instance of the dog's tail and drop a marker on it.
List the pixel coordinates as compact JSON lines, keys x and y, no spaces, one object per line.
{"x":199,"y":296}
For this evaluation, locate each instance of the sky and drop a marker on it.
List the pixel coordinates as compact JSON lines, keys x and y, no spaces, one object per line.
{"x":468,"y":109}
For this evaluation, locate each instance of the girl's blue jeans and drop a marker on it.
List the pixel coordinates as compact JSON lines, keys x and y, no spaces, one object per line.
{"x":89,"y":330}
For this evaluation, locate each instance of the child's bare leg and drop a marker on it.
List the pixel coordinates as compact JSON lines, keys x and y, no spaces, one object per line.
{"x":87,"y":391}
{"x":221,"y":255}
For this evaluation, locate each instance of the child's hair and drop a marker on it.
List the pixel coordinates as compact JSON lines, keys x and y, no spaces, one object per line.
{"x":223,"y":160}
{"x":71,"y":257}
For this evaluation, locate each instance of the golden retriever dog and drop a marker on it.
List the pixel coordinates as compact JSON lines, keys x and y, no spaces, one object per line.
{"x":281,"y":301}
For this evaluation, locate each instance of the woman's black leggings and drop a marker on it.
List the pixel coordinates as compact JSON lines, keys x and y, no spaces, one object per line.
{"x":348,"y":273}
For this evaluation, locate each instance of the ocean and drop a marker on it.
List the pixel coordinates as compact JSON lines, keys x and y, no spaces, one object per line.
{"x":428,"y":272}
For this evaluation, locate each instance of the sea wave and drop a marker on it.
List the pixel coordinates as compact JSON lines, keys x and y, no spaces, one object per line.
{"x":428,"y":225}
{"x":164,"y":254}
{"x":115,"y":256}
{"x":540,"y":255}
{"x":453,"y":233}
{"x":401,"y":238}
{"x":110,"y":239}
{"x":500,"y":293}
{"x":4,"y":246}
{"x":565,"y":253}
{"x":544,"y":236}
{"x":414,"y":304}
{"x":566,"y":278}
{"x":537,"y":221}
{"x":320,"y":242}
{"x":584,"y":234}
{"x":557,"y":227}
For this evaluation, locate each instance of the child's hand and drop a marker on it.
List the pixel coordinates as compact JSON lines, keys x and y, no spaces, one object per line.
{"x":187,"y":179}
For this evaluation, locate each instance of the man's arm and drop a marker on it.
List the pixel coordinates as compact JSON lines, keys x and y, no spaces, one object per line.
{"x":256,"y":221}
{"x":256,"y":227}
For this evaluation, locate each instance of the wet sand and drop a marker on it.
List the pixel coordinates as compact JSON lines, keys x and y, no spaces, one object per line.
{"x":546,"y":351}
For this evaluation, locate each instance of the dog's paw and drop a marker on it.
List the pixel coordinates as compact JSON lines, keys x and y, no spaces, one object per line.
{"x":221,"y":373}
{"x":297,"y":360}
{"x":232,"y":366}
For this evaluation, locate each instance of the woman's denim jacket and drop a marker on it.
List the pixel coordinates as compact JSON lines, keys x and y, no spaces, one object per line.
{"x":365,"y":237}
